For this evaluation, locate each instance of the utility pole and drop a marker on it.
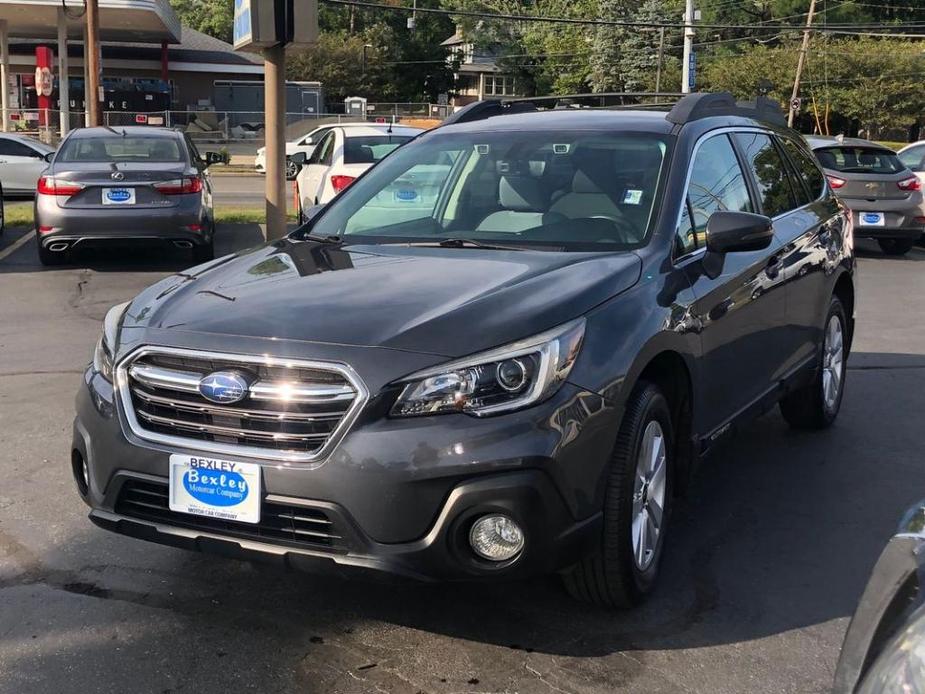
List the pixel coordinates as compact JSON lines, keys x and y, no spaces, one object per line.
{"x":661,"y":54}
{"x":274,"y":76}
{"x":800,"y":61}
{"x":688,"y":46}
{"x":92,"y":57}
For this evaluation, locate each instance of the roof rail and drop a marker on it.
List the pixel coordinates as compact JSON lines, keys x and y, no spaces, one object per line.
{"x":703,"y":105}
{"x":487,"y":109}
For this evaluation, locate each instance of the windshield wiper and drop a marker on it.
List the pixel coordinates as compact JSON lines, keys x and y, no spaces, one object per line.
{"x":468,"y":243}
{"x":328,"y":238}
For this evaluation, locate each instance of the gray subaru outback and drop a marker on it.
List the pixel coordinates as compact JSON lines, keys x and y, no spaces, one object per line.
{"x":500,"y":352}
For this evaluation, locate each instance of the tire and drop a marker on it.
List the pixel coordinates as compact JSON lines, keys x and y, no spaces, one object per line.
{"x":47,"y":257}
{"x":292,"y":170}
{"x":206,"y":251}
{"x":616,"y":574}
{"x":816,"y":405}
{"x":896,"y":246}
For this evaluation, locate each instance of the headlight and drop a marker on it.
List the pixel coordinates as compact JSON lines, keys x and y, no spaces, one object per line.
{"x":504,"y":379}
{"x":105,"y":347}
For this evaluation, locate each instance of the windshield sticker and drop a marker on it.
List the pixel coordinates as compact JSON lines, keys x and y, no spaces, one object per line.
{"x":632,"y":196}
{"x":560,"y":149}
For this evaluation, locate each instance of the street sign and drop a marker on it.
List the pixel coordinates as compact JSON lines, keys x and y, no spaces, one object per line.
{"x":262,"y":24}
{"x":692,"y":72}
{"x":796,"y":103}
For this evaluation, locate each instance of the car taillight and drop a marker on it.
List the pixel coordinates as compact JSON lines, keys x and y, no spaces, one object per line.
{"x":910,"y":184}
{"x":180,"y":186}
{"x":49,"y":185}
{"x":835,"y":181}
{"x":340,"y":182}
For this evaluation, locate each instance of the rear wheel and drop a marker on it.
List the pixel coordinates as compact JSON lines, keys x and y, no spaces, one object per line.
{"x":816,"y":405}
{"x":47,"y":257}
{"x":622,"y":570}
{"x":292,"y":170}
{"x":896,"y":246}
{"x":206,"y":251}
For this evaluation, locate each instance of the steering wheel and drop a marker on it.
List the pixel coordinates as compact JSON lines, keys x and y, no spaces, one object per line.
{"x":624,"y":229}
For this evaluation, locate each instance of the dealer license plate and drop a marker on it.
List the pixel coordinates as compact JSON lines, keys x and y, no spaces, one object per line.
{"x":225,"y":489}
{"x":872,"y":219}
{"x":118,"y":196}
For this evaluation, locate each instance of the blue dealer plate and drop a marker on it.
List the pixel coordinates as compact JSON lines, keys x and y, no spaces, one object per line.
{"x":872,"y":219}
{"x":118,"y":196}
{"x":204,"y":486}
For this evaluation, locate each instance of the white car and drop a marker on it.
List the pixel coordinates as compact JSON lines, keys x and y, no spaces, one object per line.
{"x":306,"y":144}
{"x":22,"y":161}
{"x":913,"y":157}
{"x":341,"y":156}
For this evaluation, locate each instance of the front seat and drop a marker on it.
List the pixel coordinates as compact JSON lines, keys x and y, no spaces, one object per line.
{"x":524,"y":207}
{"x":586,"y":199}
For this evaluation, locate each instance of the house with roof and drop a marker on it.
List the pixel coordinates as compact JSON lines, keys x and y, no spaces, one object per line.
{"x":479,"y":75}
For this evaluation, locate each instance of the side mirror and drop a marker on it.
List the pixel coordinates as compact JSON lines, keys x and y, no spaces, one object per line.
{"x":738,"y":232}
{"x":298,"y":158}
{"x":48,"y":157}
{"x":215,"y":158}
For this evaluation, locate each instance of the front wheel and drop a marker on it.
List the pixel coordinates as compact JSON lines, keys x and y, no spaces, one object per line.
{"x":206,"y":251}
{"x":292,"y":170}
{"x":816,"y":405}
{"x":622,"y":569}
{"x":896,"y":246}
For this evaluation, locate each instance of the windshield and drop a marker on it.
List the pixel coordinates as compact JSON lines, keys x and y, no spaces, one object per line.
{"x":859,"y":160}
{"x":566,"y":190}
{"x":370,"y":149}
{"x":116,"y":148}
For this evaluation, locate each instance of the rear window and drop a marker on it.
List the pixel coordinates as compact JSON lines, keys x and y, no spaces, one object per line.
{"x":116,"y":148}
{"x":859,"y":160}
{"x":370,"y":149}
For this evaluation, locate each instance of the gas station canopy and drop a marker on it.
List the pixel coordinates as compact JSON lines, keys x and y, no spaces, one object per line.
{"x":148,"y":21}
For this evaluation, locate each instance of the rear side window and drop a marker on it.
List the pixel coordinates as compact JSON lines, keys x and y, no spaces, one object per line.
{"x":860,"y":160}
{"x":806,"y":168}
{"x":11,"y":148}
{"x":369,"y":150}
{"x":766,"y":164}
{"x":717,"y":183}
{"x":913,"y":158}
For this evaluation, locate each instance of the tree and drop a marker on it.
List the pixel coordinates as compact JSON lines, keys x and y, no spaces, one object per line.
{"x":212,"y":17}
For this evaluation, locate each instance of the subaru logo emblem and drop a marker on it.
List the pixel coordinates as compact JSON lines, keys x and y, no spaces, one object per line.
{"x":223,"y":387}
{"x":117,"y":175}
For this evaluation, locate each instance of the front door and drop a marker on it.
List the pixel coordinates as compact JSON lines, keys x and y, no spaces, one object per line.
{"x":741,"y":311}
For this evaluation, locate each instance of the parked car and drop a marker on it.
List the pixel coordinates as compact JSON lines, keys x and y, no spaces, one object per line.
{"x":305,"y":144}
{"x":516,"y":378}
{"x":913,"y":158}
{"x":22,"y":160}
{"x":884,"y":647}
{"x":341,"y":156}
{"x":126,"y":183}
{"x":885,"y":197}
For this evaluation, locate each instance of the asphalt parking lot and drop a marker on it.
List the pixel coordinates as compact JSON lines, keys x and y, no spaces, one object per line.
{"x":768,"y":557}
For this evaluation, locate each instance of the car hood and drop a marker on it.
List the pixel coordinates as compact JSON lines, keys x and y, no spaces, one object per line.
{"x":443,"y":301}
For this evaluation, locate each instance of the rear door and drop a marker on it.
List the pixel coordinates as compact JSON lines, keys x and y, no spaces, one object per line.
{"x":741,"y":311}
{"x":312,"y":174}
{"x":20,"y":166}
{"x":808,"y":262}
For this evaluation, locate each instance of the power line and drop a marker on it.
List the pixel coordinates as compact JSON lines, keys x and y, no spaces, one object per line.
{"x":497,"y":16}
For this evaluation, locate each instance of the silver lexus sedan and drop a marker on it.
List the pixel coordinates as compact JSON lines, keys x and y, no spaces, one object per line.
{"x":125,"y":183}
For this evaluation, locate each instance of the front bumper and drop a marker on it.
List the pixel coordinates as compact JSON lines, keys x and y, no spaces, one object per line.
{"x":402,"y":494}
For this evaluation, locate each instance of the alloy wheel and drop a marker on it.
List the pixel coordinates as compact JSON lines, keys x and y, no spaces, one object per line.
{"x":833,"y":356}
{"x":649,"y":494}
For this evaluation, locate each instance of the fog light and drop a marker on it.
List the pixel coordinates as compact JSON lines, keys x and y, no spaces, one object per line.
{"x":496,"y":538}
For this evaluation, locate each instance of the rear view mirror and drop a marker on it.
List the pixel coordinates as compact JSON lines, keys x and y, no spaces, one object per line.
{"x":738,"y":232}
{"x":48,"y":157}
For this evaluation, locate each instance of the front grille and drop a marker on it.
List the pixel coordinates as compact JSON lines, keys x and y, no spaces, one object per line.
{"x":295,"y":526}
{"x":292,"y":410}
